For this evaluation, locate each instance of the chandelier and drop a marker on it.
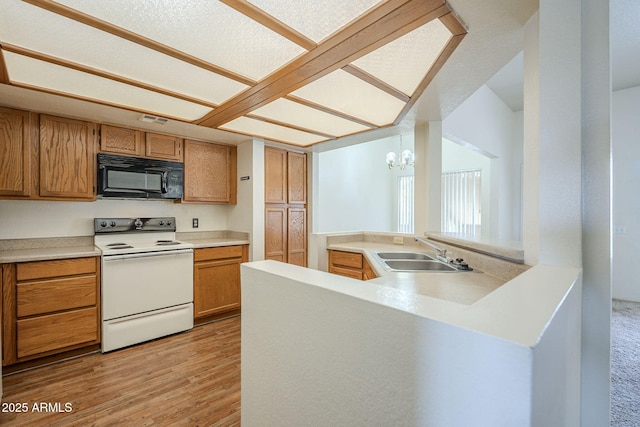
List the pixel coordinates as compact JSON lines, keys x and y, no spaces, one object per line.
{"x":404,"y":159}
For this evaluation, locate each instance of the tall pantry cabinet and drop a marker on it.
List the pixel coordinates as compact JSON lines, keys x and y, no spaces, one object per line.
{"x":285,"y":206}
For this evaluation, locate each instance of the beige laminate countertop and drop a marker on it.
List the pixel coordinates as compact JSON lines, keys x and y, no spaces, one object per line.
{"x":48,"y":249}
{"x":212,"y":239}
{"x":213,"y":242}
{"x":43,"y":249}
{"x":458,"y":287}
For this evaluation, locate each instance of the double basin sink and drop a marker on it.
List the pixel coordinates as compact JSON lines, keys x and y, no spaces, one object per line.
{"x":414,"y":262}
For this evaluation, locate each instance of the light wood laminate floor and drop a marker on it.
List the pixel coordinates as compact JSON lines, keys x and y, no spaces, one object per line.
{"x":189,"y":379}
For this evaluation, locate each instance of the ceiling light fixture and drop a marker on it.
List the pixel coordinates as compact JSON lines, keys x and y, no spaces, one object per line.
{"x":407,"y":158}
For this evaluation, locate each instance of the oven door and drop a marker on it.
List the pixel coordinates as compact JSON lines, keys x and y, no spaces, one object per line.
{"x":138,"y":283}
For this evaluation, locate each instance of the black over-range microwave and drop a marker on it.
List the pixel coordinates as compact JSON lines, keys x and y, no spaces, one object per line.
{"x":126,"y":177}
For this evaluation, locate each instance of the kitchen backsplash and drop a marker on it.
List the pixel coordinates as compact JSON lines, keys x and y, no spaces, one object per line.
{"x":21,"y":219}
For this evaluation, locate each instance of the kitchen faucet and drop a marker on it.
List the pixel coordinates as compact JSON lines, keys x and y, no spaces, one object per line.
{"x":441,"y":253}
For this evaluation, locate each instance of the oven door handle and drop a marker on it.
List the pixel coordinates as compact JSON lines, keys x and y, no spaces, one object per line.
{"x":146,"y":254}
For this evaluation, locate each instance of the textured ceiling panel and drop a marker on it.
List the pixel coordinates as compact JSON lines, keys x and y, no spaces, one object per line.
{"x":266,"y":130}
{"x":283,"y":110}
{"x":206,"y":29}
{"x":41,"y":74}
{"x":64,"y":38}
{"x":343,"y":92}
{"x":404,"y":62}
{"x":311,"y":18}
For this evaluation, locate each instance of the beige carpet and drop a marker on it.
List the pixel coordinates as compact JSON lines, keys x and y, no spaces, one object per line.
{"x":625,"y":364}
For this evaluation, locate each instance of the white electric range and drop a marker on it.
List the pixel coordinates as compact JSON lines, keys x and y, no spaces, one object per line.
{"x":147,"y":280}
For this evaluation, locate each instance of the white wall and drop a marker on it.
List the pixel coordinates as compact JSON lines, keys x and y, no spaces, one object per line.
{"x":486,"y":123}
{"x":21,"y":219}
{"x":626,"y":203}
{"x":355,"y":188}
{"x":248,"y":214}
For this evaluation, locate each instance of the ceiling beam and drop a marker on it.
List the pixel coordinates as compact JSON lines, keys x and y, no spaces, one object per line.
{"x":105,"y":26}
{"x":94,"y":71}
{"x":4,"y":74}
{"x":374,"y":81}
{"x":266,"y":20}
{"x":97,"y":101}
{"x":387,"y":22}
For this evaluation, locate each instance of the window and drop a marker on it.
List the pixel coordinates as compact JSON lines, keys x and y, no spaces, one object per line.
{"x":405,"y":204}
{"x":461,"y":202}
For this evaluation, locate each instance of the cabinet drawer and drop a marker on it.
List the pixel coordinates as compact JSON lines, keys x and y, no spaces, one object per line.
{"x":221,"y":252}
{"x":354,"y":274}
{"x":55,"y":295}
{"x":345,"y":259}
{"x":56,"y":331}
{"x":56,"y":268}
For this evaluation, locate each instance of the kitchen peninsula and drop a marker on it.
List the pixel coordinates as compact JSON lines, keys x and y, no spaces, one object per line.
{"x":330,"y":348}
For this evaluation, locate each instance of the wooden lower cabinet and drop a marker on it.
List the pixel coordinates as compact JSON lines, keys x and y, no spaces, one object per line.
{"x":216,"y":280}
{"x":350,"y":264}
{"x":50,"y":307}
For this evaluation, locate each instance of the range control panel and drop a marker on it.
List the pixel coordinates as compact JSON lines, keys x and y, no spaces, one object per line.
{"x":132,"y":225}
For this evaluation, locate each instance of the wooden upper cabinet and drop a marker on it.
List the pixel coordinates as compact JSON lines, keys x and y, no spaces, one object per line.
{"x":121,"y":141}
{"x":163,"y":147}
{"x":296,"y":178}
{"x":16,"y":151}
{"x":285,"y":176}
{"x":275,"y":175}
{"x":136,"y":143}
{"x":209,"y":172}
{"x":67,"y":158}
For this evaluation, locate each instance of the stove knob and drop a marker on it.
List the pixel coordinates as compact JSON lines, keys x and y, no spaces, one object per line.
{"x":138,"y":224}
{"x":113,"y":223}
{"x":168,"y":222}
{"x":103,"y":224}
{"x":161,"y":222}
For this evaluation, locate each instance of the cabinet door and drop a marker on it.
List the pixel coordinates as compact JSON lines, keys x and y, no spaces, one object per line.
{"x":44,"y":334}
{"x":297,"y":178}
{"x":275,"y":175}
{"x":275,"y":239}
{"x":15,"y":153}
{"x":367,"y":271}
{"x":209,"y":172}
{"x":216,"y":287}
{"x":67,"y":158}
{"x":164,"y":147}
{"x":121,"y":141}
{"x":297,"y":236}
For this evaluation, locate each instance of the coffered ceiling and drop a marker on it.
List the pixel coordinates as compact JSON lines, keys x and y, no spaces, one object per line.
{"x":295,"y":72}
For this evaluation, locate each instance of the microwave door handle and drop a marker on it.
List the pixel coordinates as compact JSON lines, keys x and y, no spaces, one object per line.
{"x":163,"y":185}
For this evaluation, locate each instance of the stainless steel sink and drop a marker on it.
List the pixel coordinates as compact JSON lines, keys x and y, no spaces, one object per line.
{"x":403,"y":255}
{"x":418,"y":265}
{"x":417,"y":262}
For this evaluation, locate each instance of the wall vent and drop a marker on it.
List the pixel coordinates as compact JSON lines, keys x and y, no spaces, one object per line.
{"x":148,"y":118}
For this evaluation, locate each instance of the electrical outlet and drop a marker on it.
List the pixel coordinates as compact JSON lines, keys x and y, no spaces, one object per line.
{"x":194,"y":223}
{"x":619,"y":229}
{"x":398,"y":240}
